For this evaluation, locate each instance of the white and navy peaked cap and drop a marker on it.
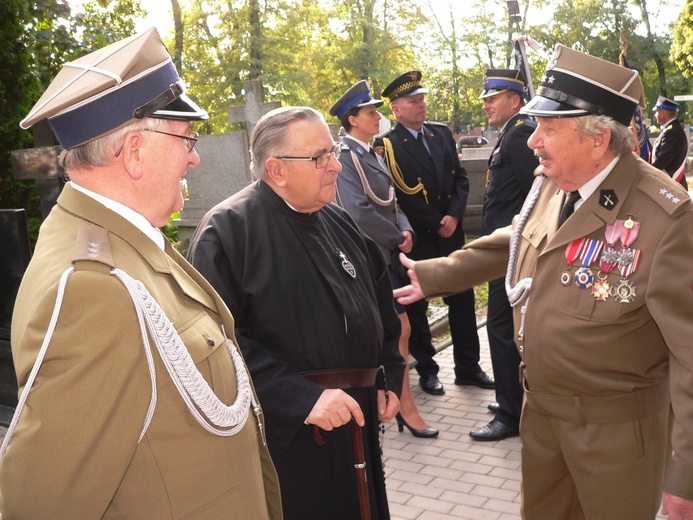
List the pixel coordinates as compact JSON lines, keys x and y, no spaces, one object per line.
{"x":577,"y":84}
{"x":108,"y":88}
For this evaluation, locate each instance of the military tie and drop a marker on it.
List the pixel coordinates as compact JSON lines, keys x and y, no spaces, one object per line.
{"x":568,"y":206}
{"x":420,"y":138}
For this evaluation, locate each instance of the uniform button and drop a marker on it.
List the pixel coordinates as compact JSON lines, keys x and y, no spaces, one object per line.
{"x":209,"y":340}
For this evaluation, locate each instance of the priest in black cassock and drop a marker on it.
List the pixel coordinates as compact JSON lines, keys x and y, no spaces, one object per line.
{"x":310,"y":292}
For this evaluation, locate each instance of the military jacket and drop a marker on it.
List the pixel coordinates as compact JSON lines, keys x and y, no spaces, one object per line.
{"x":574,"y":343}
{"x":76,"y":451}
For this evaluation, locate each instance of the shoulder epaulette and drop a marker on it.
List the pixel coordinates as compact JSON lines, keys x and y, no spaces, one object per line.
{"x":345,"y":147}
{"x":436,"y":123}
{"x":93,"y":245}
{"x":519,"y":122}
{"x":671,"y":200}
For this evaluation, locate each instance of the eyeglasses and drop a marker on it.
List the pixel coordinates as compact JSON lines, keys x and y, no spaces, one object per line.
{"x":321,"y":160}
{"x":190,"y":140}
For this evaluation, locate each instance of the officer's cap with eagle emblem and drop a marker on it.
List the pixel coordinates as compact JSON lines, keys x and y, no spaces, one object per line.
{"x":577,"y":84}
{"x":358,"y":95}
{"x":500,"y":80}
{"x":408,"y":84}
{"x":113,"y":86}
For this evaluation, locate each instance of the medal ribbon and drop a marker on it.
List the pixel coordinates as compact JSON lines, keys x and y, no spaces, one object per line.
{"x":572,"y":250}
{"x":611,"y":233}
{"x":628,"y":233}
{"x":627,"y":270}
{"x":590,"y":251}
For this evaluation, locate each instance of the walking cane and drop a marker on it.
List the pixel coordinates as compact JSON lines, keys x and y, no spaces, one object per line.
{"x":359,"y":465}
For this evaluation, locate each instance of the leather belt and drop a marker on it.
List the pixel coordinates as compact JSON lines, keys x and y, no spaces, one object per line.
{"x":343,"y":378}
{"x":601,"y":409}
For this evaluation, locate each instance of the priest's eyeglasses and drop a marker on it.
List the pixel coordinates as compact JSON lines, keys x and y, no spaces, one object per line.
{"x":321,"y":160}
{"x":190,"y":140}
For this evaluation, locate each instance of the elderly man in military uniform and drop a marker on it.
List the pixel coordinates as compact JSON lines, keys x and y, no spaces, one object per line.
{"x":598,"y":272}
{"x":432,"y":188}
{"x":670,"y":149}
{"x":511,"y":168}
{"x":135,"y":401}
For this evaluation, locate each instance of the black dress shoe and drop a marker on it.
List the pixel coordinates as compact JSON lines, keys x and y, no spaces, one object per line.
{"x":493,"y":408}
{"x":479,"y":379}
{"x":431,"y":384}
{"x":425,"y":433}
{"x":494,"y":431}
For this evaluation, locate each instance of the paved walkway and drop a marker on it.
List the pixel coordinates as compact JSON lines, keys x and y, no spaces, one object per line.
{"x":453,"y":477}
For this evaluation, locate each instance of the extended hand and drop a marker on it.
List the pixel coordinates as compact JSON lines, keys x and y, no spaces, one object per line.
{"x":409,"y":293}
{"x":334,"y":408}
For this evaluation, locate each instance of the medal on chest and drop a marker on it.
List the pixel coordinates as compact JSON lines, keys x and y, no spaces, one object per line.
{"x":623,"y":258}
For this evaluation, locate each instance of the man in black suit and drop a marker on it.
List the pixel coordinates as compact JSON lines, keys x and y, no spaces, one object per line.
{"x":432,"y":188}
{"x":510,"y":176}
{"x":671,"y":147}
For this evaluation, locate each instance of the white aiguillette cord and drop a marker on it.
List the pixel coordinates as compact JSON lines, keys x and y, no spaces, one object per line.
{"x":198,"y":396}
{"x":519,"y":293}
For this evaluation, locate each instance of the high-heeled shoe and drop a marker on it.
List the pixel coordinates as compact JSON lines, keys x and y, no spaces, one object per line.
{"x":425,"y":433}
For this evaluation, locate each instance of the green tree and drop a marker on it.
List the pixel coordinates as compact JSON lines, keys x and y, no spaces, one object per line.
{"x":19,"y":88}
{"x":682,"y":43}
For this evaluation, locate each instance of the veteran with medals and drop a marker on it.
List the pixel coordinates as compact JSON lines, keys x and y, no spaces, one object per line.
{"x":312,"y":300}
{"x":605,"y":371}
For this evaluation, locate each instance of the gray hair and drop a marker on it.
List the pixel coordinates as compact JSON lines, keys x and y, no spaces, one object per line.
{"x":270,"y":138}
{"x":622,"y":138}
{"x":101,"y":151}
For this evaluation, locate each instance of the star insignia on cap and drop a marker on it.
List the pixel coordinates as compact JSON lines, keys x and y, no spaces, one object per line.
{"x":551,"y":79}
{"x":608,"y":199}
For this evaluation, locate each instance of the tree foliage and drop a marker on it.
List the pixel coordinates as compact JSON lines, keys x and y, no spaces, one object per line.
{"x":309,"y":53}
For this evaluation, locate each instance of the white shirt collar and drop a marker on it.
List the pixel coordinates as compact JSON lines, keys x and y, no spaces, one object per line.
{"x":591,"y":186}
{"x":366,"y":146}
{"x":128,"y":214}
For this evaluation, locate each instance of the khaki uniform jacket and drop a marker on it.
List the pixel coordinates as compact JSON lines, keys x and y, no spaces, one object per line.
{"x":574,"y":345}
{"x":75,"y":451}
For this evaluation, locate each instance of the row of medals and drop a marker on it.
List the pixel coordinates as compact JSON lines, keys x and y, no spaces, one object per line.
{"x":625,"y":258}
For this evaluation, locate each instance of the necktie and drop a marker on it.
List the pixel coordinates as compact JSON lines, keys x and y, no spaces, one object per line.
{"x":420,"y":138}
{"x":568,"y":206}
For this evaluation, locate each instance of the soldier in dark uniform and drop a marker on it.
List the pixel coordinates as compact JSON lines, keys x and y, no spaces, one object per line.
{"x":671,"y":147}
{"x":602,"y":302}
{"x":432,"y":188}
{"x":510,"y":175}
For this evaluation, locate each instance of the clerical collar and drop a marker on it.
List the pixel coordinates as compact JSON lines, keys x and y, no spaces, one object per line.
{"x":128,"y":214}
{"x":591,"y":186}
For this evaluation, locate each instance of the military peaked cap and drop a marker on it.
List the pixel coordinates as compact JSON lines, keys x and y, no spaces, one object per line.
{"x":577,"y":84}
{"x":102,"y":91}
{"x":499,"y":80}
{"x":408,"y":84}
{"x":358,"y":95}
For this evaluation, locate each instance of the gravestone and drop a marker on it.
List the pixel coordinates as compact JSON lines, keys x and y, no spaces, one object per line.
{"x":224,"y":167}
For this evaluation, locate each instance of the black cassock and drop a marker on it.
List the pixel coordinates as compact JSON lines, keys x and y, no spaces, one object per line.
{"x":287,"y":279}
